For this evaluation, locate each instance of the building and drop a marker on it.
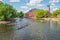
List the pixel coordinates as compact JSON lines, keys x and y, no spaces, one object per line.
{"x":31,"y":13}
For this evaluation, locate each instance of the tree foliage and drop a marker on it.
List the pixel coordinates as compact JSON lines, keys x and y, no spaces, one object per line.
{"x":56,"y":12}
{"x":7,"y":12}
{"x":41,"y":13}
{"x":20,"y":14}
{"x":1,"y":3}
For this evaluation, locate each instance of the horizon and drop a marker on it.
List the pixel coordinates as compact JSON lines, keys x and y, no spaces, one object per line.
{"x":26,"y":5}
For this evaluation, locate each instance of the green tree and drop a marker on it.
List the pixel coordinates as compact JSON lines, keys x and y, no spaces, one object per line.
{"x":20,"y":14}
{"x":7,"y":12}
{"x":56,"y":12}
{"x":40,"y":13}
{"x":1,"y":3}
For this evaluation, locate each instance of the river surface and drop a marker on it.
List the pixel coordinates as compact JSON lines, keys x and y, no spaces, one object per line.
{"x":29,"y":29}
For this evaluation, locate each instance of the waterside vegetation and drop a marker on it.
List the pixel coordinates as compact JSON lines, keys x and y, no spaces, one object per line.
{"x":8,"y":12}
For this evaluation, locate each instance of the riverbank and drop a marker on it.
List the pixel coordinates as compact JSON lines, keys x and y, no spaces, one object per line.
{"x":8,"y":23}
{"x":53,"y":19}
{"x":12,"y":23}
{"x":4,"y":22}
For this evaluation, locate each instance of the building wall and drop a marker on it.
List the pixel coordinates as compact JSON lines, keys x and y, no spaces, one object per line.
{"x":31,"y":15}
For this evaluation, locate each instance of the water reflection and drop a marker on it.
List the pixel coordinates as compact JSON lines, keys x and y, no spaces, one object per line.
{"x":22,"y":23}
{"x":5,"y":28}
{"x":6,"y":32}
{"x":36,"y":30}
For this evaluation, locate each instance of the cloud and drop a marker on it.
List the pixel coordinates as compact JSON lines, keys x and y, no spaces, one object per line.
{"x":54,"y":1}
{"x":39,"y":5}
{"x":25,"y":11}
{"x":1,"y":0}
{"x":52,"y":4}
{"x":34,"y":2}
{"x":14,"y":0}
{"x":24,"y":7}
{"x":55,"y":9}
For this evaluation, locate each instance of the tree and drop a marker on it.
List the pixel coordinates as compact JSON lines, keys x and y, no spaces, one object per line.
{"x":1,"y":3}
{"x":20,"y":14}
{"x":40,"y":13}
{"x":7,"y":12}
{"x":56,"y":12}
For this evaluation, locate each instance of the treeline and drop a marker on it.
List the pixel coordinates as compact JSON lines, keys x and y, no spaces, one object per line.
{"x":41,"y":13}
{"x":7,"y":12}
{"x":56,"y":13}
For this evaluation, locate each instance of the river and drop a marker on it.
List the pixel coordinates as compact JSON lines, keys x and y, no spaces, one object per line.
{"x":33,"y":30}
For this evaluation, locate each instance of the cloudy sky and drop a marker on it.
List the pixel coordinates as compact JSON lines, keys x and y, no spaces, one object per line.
{"x":25,"y":5}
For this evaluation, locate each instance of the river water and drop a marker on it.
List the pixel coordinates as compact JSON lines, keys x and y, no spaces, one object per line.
{"x":33,"y":30}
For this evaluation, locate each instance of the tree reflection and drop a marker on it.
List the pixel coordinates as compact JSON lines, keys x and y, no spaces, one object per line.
{"x":5,"y":28}
{"x":6,"y":32}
